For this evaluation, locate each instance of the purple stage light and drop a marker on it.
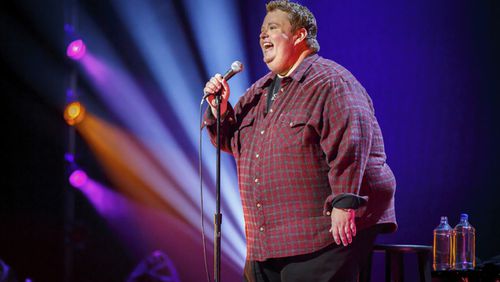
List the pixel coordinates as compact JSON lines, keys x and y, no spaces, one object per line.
{"x":69,"y":157}
{"x":76,"y":49}
{"x":78,"y":178}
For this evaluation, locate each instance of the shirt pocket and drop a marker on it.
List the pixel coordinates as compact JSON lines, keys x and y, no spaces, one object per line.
{"x":295,"y":130}
{"x":242,"y":137}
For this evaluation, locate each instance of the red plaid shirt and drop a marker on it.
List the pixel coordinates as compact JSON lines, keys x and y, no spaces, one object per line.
{"x":320,"y":140}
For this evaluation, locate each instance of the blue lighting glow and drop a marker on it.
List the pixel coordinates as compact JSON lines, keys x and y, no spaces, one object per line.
{"x":158,"y":35}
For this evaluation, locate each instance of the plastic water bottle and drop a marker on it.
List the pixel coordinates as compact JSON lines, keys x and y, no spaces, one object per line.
{"x":464,"y":245}
{"x":442,"y":246}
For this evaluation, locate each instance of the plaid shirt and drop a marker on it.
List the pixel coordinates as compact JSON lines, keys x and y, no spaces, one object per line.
{"x":319,"y":142}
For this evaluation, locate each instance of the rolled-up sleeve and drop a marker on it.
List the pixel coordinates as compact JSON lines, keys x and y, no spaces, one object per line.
{"x":346,"y":140}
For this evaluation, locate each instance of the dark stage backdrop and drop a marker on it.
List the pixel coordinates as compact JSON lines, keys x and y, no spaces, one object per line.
{"x":431,"y":68}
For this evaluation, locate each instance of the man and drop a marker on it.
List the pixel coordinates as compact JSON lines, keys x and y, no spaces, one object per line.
{"x":312,"y":175}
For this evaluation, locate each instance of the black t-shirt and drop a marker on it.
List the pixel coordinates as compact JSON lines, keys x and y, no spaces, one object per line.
{"x":273,"y":89}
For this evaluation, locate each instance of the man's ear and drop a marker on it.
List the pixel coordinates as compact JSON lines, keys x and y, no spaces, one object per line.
{"x":300,"y":35}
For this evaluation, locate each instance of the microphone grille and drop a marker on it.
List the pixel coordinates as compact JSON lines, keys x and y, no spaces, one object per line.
{"x":237,"y":66}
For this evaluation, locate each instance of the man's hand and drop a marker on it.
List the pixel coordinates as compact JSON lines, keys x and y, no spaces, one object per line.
{"x":211,"y":87}
{"x":343,"y":225}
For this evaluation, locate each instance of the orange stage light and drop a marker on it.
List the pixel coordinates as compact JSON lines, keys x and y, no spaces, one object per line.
{"x":74,"y":113}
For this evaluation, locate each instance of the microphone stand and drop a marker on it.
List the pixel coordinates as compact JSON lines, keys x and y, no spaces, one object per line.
{"x":217,"y":215}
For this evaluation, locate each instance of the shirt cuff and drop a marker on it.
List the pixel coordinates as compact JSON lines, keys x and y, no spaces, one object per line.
{"x":344,"y":201}
{"x":209,"y":119}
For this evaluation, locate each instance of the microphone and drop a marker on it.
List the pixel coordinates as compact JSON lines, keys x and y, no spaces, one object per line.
{"x":236,"y":67}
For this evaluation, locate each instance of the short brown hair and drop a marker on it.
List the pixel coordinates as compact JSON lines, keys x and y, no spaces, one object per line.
{"x":300,"y":17}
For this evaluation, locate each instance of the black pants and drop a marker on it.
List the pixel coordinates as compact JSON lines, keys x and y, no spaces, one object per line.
{"x":333,"y":263}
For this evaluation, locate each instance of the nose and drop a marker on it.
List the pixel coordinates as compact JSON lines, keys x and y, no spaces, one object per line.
{"x":263,"y":34}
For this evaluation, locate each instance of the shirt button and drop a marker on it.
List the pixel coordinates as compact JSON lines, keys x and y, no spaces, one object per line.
{"x":291,"y":123}
{"x":282,"y":90}
{"x":259,"y":205}
{"x":256,"y":180}
{"x":271,"y":110}
{"x":262,"y":132}
{"x":328,"y":213}
{"x":257,"y":156}
{"x":205,"y":122}
{"x":261,"y":229}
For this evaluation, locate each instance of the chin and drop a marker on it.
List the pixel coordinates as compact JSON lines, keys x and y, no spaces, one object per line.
{"x":270,"y":66}
{"x":270,"y":63}
{"x":268,"y":59}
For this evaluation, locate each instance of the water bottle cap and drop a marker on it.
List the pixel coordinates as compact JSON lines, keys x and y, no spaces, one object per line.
{"x":444,"y":218}
{"x":464,"y":216}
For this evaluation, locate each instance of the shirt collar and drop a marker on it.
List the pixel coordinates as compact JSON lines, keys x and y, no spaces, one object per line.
{"x":297,"y":74}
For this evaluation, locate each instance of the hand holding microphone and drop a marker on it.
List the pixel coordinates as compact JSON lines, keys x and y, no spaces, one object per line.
{"x":217,"y":85}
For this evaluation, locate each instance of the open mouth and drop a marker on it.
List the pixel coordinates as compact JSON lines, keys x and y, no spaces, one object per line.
{"x":267,"y":46}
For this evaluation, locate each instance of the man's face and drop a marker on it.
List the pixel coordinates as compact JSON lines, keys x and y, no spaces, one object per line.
{"x":277,"y":42}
